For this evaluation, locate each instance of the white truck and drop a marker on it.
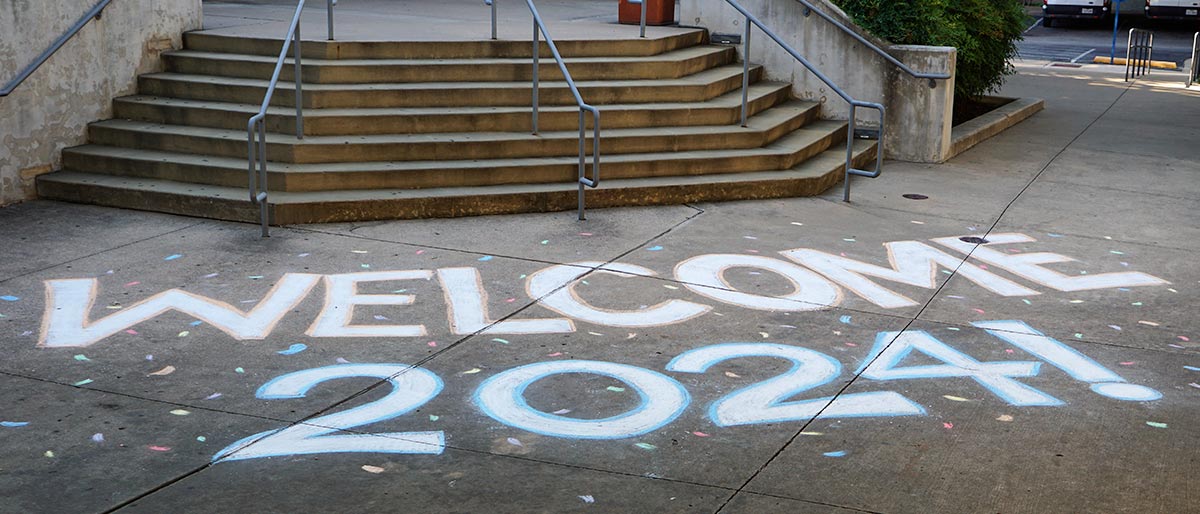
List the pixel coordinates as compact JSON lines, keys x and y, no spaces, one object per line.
{"x":1173,"y":10}
{"x":1054,"y":10}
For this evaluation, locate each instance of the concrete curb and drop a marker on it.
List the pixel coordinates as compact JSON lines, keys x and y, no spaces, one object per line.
{"x":983,"y":127}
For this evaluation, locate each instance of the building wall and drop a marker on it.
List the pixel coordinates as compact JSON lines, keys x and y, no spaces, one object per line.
{"x":919,"y":118}
{"x":51,"y":109}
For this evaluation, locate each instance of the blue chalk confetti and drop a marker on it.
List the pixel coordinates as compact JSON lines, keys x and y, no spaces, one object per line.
{"x":1191,"y":368}
{"x":173,"y":257}
{"x":654,"y":249}
{"x":839,"y":453}
{"x":293,"y":349}
{"x":485,"y":258}
{"x":10,"y":298}
{"x":845,"y":319}
{"x":196,"y":323}
{"x":1055,"y":235}
{"x":13,"y":424}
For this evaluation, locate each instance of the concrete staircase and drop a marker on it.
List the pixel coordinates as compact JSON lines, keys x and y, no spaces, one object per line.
{"x":420,"y":129}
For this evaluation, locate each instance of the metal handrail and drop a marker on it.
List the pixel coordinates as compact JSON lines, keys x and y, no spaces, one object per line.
{"x":854,"y":104}
{"x":257,"y":147}
{"x":1193,"y":75}
{"x":1139,"y":49}
{"x":539,"y":29}
{"x":92,"y":14}
{"x":809,"y":7}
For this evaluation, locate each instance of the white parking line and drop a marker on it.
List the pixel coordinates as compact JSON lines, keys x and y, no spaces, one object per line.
{"x":1036,"y":23}
{"x":1082,"y":55}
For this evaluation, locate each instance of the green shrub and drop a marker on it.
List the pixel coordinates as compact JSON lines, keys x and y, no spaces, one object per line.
{"x":985,"y":32}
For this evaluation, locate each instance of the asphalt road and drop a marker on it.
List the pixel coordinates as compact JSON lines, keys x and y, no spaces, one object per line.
{"x":1079,"y":41}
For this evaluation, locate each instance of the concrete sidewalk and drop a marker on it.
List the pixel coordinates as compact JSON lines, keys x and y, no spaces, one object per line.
{"x":649,"y":359}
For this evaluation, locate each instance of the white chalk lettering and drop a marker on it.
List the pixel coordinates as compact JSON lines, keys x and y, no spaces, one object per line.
{"x":913,"y":263}
{"x":545,"y":284}
{"x":69,"y":302}
{"x":1028,"y":265}
{"x":341,"y":295}
{"x":705,"y":275}
{"x":466,"y":301}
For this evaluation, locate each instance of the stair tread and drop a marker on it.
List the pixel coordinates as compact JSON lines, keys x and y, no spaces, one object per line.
{"x":703,"y":77}
{"x":761,"y":121}
{"x":818,"y":165}
{"x":733,"y":98}
{"x":674,"y":55}
{"x":786,"y":144}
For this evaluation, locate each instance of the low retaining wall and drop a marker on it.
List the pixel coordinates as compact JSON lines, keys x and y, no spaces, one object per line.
{"x":51,"y":109}
{"x":919,"y":118}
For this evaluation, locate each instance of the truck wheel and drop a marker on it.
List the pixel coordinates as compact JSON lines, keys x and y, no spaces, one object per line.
{"x":1047,"y":22}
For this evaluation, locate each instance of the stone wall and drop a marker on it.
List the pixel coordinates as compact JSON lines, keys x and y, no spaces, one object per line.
{"x":51,"y":109}
{"x":919,"y":118}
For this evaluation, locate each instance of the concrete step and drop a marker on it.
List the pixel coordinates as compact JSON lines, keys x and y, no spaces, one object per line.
{"x":698,"y":87}
{"x":481,"y":48}
{"x":784,"y":153}
{"x":761,"y":129}
{"x":722,"y":110}
{"x":809,"y":178}
{"x":674,"y":64}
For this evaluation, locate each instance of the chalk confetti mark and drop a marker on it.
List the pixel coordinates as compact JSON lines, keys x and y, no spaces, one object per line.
{"x":293,"y":349}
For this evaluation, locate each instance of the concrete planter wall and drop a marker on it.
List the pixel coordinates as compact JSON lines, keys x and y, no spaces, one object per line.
{"x":51,"y":110}
{"x":919,"y":118}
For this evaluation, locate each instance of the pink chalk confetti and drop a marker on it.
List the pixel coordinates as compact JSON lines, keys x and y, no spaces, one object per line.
{"x":586,"y":234}
{"x":419,"y":252}
{"x":131,"y":332}
{"x":555,"y":354}
{"x":1183,"y":338}
{"x":1008,"y":350}
{"x":1127,"y":363}
{"x":948,"y":425}
{"x":978,"y":310}
{"x":510,"y":300}
{"x":432,"y":344}
{"x":700,"y":434}
{"x":131,"y":284}
{"x":160,"y":448}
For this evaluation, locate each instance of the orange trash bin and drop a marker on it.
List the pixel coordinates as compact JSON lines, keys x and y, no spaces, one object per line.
{"x":658,"y":12}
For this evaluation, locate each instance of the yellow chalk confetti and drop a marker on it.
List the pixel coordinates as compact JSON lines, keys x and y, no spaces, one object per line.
{"x":764,"y":335}
{"x":1005,"y":418}
{"x":185,"y":333}
{"x":1147,"y":323}
{"x":181,"y":412}
{"x":163,"y":372}
{"x":49,"y":454}
{"x":472,"y":371}
{"x":955,"y":398}
{"x":372,"y":469}
{"x":731,"y":374}
{"x":668,"y":286}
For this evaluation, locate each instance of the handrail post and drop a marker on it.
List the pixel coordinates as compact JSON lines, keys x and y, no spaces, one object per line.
{"x":582,"y":161}
{"x":1128,"y":53}
{"x":746,"y":70}
{"x":535,"y":76}
{"x":299,"y":84}
{"x":643,"y":23}
{"x":850,"y":151}
{"x":262,"y":177}
{"x":329,"y":16}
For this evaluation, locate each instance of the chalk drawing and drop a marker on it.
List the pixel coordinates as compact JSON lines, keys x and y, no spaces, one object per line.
{"x":69,"y":303}
{"x":466,"y":302}
{"x":892,"y":347}
{"x":1104,"y":381}
{"x":545,"y":284}
{"x":411,"y":388}
{"x":704,"y":275}
{"x":341,"y":296}
{"x":1028,"y":265}
{"x":65,"y":320}
{"x":766,"y":401}
{"x":662,"y":400}
{"x":912,"y":262}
